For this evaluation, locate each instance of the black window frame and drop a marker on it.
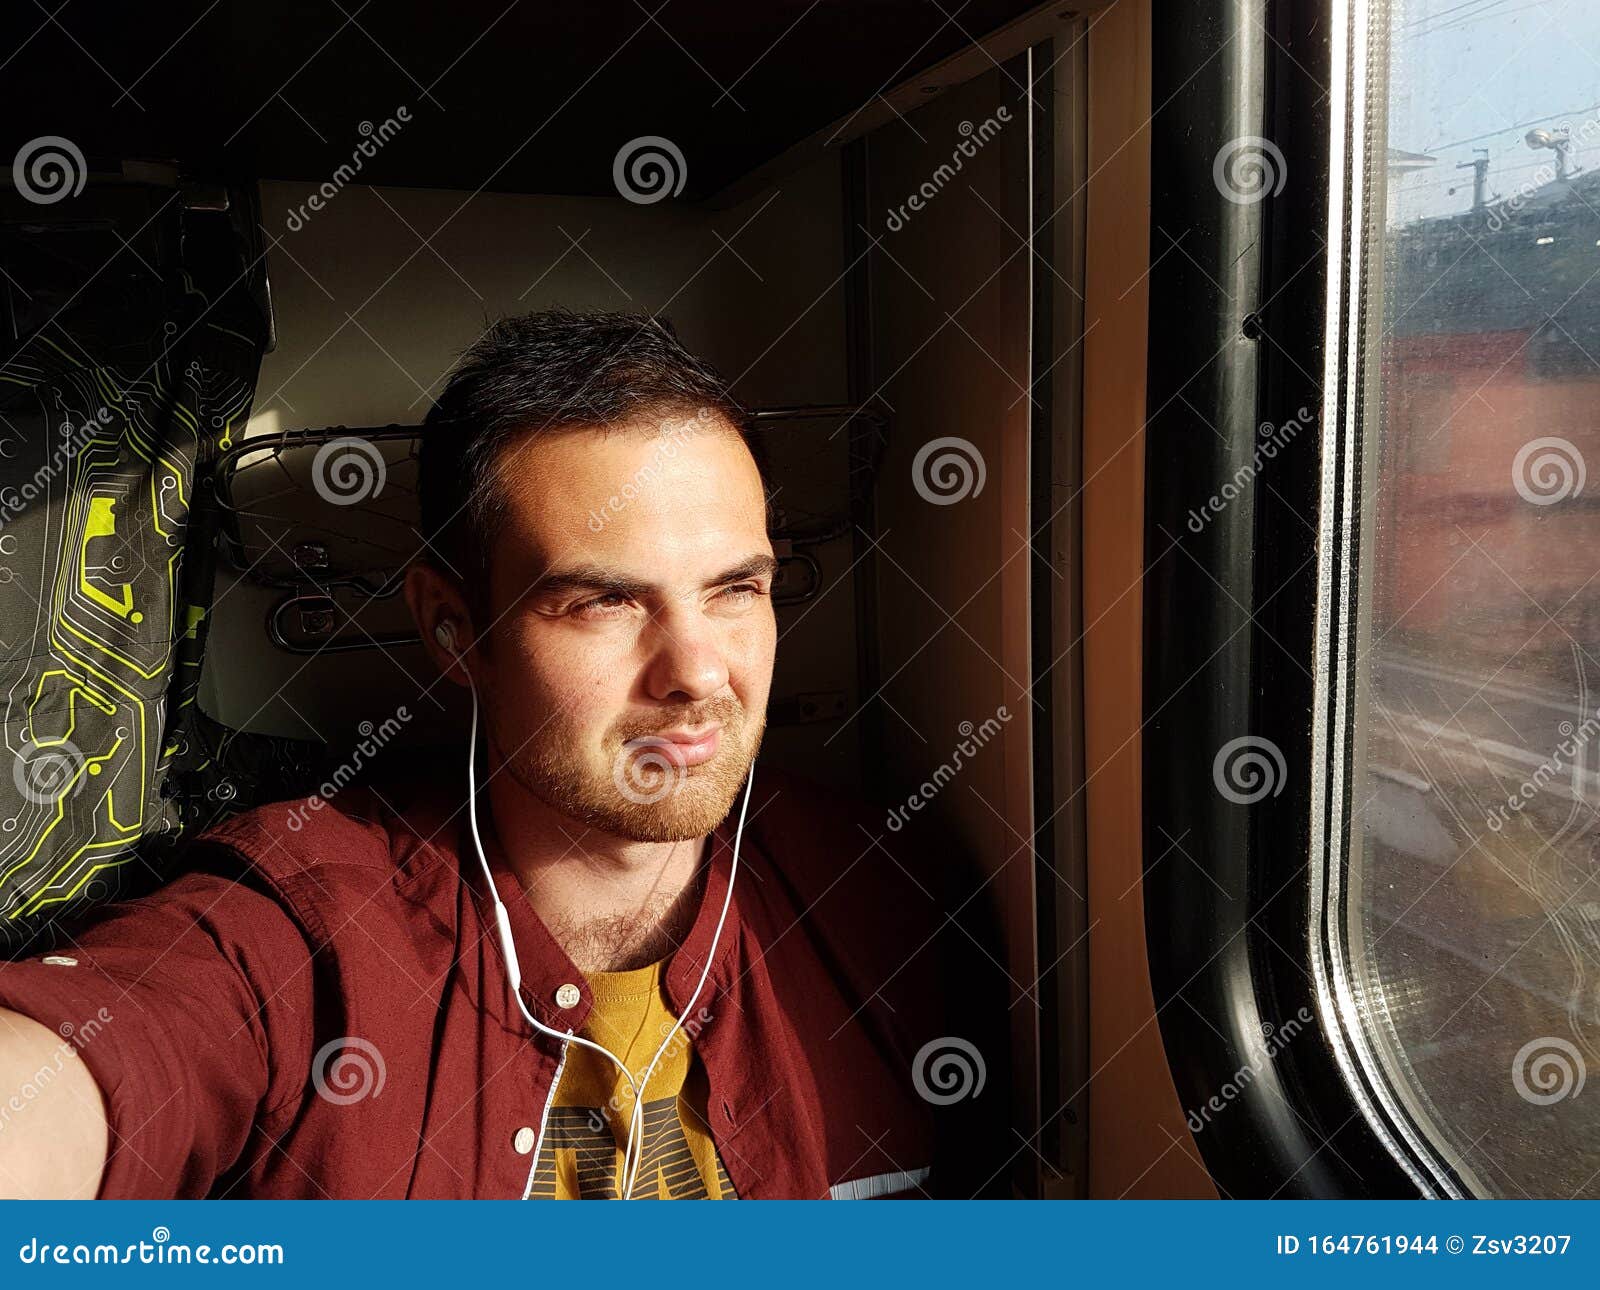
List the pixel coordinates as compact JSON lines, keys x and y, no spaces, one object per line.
{"x":1238,"y":308}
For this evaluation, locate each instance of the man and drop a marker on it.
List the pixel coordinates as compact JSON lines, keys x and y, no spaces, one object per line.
{"x":323,"y":1004}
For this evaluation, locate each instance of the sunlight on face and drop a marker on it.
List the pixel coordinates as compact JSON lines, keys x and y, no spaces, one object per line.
{"x":631,"y":594}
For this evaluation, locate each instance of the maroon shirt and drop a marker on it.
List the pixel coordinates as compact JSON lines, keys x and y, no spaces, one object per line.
{"x":319,"y":1007}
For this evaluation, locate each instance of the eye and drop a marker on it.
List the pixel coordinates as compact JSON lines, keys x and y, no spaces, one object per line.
{"x":597,"y":607}
{"x":743,"y":593}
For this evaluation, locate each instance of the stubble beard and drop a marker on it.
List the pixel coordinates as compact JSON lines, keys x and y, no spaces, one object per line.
{"x":634,"y":793}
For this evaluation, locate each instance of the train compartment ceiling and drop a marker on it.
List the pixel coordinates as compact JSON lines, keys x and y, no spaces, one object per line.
{"x":517,"y":96}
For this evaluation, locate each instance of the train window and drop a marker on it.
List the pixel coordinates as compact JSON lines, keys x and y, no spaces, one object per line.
{"x":1458,"y":722}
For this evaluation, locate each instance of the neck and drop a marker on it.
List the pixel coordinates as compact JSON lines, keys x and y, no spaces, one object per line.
{"x":612,"y":903}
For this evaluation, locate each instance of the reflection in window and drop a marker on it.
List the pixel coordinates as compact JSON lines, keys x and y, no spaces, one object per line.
{"x":1473,"y":909}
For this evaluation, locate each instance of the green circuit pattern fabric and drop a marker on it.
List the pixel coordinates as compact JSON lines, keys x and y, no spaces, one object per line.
{"x":112,"y":413}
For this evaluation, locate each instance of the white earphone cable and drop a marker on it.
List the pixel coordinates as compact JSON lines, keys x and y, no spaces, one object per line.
{"x":705,"y":972}
{"x":633,"y":1152}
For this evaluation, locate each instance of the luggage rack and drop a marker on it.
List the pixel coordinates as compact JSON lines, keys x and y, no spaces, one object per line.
{"x":291,"y":537}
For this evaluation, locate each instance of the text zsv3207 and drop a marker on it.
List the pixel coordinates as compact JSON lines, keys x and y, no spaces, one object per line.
{"x":1533,"y":1243}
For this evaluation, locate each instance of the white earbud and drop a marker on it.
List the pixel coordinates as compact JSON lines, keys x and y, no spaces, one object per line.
{"x":445,"y":634}
{"x":633,"y":1150}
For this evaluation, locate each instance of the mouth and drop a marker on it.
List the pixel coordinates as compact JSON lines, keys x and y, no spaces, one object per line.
{"x":683,"y":747}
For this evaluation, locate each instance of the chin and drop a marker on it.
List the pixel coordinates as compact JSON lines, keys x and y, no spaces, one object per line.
{"x":689,"y":813}
{"x":641,"y":802}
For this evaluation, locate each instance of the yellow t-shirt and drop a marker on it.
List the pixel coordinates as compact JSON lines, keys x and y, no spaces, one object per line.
{"x":580,"y":1156}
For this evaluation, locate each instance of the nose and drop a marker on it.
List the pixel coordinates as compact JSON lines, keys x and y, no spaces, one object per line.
{"x":689,"y":663}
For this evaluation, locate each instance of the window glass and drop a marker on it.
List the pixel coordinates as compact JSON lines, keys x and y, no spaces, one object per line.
{"x":1472,"y":908}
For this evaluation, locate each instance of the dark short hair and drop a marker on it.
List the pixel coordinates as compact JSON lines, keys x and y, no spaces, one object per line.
{"x":540,"y":373}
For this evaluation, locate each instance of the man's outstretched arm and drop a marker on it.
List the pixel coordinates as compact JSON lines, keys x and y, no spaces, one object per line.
{"x":52,"y":1119}
{"x":135,"y":1060}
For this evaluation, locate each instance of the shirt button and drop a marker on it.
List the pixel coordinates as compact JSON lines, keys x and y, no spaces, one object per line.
{"x":567,"y":996}
{"x":59,"y":960}
{"x":523,"y":1141}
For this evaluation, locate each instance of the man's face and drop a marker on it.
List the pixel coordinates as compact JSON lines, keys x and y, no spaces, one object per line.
{"x":630,"y":590}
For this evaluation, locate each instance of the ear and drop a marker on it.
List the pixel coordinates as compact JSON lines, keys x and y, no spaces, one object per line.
{"x":436,"y":602}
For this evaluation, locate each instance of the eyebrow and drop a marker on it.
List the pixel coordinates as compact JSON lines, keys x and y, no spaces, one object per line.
{"x":593,"y":577}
